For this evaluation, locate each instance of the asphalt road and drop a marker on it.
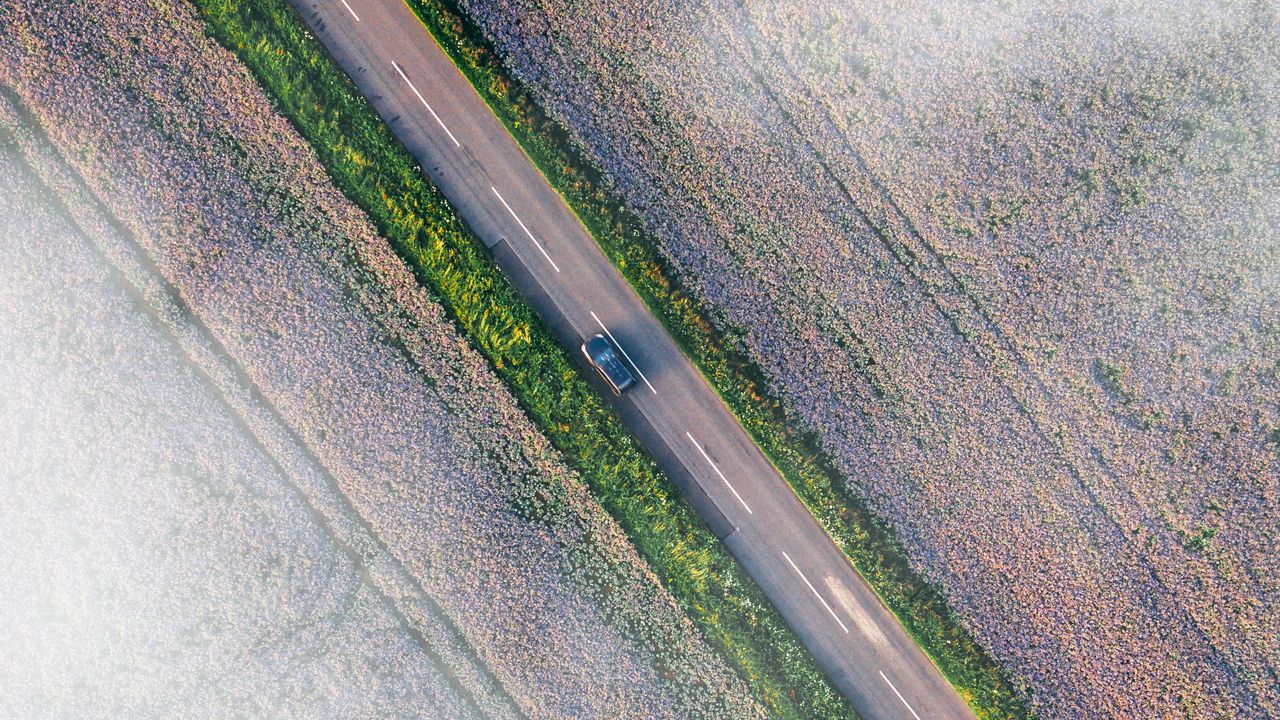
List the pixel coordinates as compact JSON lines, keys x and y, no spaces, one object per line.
{"x":556,"y":265}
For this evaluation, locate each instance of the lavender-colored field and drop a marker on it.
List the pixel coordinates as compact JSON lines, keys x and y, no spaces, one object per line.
{"x":1017,"y":264}
{"x":483,"y":548}
{"x":156,"y":562}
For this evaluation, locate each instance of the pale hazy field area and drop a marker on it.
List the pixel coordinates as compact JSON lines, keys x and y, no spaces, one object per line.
{"x":372,"y":507}
{"x":156,"y":563}
{"x":1017,"y":265}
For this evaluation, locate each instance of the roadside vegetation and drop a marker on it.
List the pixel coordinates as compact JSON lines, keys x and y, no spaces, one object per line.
{"x":865,"y":540}
{"x":371,"y":168}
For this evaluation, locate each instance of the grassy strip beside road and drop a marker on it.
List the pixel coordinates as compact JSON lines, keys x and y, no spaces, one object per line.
{"x":374,"y":170}
{"x":867,"y":542}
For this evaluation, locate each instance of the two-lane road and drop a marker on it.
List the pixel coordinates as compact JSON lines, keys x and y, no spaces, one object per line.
{"x":553,"y":261}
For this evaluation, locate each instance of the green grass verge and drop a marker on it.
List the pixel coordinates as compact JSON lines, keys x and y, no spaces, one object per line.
{"x":373,"y":169}
{"x":798,"y":456}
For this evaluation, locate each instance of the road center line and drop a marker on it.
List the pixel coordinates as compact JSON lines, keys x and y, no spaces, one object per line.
{"x":624,"y":353}
{"x":895,"y":692}
{"x":815,"y":592}
{"x":526,"y":230}
{"x":722,"y":477}
{"x":396,"y":65}
{"x":353,"y":12}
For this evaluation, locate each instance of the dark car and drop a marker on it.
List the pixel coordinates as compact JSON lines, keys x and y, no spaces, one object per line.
{"x":605,"y":358}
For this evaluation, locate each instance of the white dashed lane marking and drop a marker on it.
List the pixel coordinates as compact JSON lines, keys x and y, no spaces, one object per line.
{"x":815,"y":592}
{"x":425,"y":104}
{"x":717,"y":469}
{"x":522,"y":227}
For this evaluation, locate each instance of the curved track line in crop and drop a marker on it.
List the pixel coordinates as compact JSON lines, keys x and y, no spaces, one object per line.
{"x":1003,"y":346}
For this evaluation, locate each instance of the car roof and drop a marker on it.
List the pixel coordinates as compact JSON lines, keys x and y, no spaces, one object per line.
{"x":603,"y":355}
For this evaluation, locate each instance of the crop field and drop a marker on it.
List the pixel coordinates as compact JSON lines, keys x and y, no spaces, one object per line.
{"x":153,"y":555}
{"x":1015,"y":267}
{"x":445,"y":532}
